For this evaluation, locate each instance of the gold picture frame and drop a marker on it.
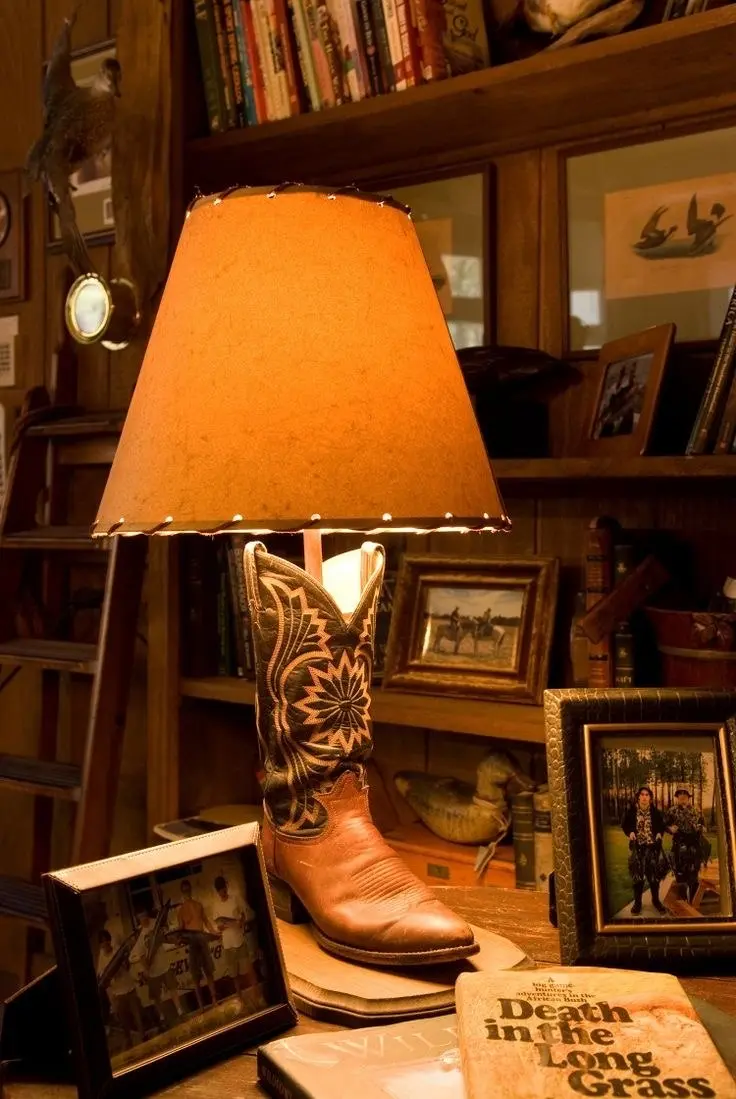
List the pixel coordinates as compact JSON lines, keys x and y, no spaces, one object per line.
{"x":473,"y":627}
{"x":601,"y":917}
{"x":630,"y":376}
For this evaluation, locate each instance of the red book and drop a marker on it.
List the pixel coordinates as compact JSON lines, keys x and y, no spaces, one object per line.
{"x":428,"y":17}
{"x":293,"y":81}
{"x":259,"y":87}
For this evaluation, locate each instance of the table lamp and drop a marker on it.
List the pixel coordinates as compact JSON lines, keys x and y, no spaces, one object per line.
{"x":300,"y":377}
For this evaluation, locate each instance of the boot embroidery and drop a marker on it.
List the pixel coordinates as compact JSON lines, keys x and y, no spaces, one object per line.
{"x":338,"y":703}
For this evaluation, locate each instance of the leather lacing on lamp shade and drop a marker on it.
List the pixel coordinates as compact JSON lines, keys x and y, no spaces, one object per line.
{"x":299,"y":374}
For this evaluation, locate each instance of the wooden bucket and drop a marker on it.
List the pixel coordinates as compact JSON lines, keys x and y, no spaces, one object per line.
{"x":696,"y":648}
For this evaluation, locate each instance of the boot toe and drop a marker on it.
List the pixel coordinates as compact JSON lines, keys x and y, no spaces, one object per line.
{"x":431,"y":927}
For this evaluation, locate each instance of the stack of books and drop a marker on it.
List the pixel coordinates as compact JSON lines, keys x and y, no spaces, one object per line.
{"x":552,"y":1033}
{"x":264,"y":60}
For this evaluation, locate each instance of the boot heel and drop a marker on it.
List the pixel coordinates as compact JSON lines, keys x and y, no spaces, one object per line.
{"x":286,"y":904}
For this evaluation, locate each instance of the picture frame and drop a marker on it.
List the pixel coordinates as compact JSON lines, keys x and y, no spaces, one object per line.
{"x":630,"y":373}
{"x":473,"y":627}
{"x":92,"y":182}
{"x":13,"y":244}
{"x":654,"y":901}
{"x":632,"y":251}
{"x":168,"y":958}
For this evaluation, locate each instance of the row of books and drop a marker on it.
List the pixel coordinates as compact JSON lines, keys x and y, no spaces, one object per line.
{"x":264,"y":60}
{"x":531,"y":825}
{"x":216,"y":632}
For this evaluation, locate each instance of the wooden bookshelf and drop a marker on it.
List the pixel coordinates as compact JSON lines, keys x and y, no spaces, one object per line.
{"x":675,"y":70}
{"x":475,"y":717}
{"x":706,"y":467}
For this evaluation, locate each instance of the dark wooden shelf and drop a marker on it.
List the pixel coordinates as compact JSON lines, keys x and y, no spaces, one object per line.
{"x":707,"y":466}
{"x":475,"y":717}
{"x":679,"y":69}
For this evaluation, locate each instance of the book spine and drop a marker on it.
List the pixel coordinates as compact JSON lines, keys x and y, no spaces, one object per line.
{"x":284,"y":45}
{"x":236,"y":74}
{"x":727,"y":431}
{"x":370,"y":48}
{"x":224,"y":56}
{"x":623,"y":639}
{"x":429,"y":18}
{"x":263,"y":36}
{"x":210,"y":65}
{"x":277,"y":61}
{"x":522,"y":824}
{"x":465,"y":38}
{"x":543,"y":867}
{"x":225,"y":624}
{"x":304,"y":54}
{"x":319,"y":54}
{"x":251,"y":39}
{"x":390,"y":14}
{"x":199,"y":624}
{"x":246,"y":66}
{"x":277,"y":1081}
{"x":412,"y":72}
{"x":330,"y":42}
{"x":237,"y":613}
{"x":598,"y":581}
{"x":351,"y":59}
{"x":384,"y":53}
{"x":718,"y":383}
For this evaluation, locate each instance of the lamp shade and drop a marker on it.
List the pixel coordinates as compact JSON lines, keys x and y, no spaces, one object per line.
{"x":299,"y":374}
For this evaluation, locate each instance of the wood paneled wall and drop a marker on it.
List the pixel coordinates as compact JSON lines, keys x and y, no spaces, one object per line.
{"x":28,"y":30}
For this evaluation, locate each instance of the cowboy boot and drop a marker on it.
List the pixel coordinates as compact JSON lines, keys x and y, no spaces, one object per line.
{"x":325,"y":858}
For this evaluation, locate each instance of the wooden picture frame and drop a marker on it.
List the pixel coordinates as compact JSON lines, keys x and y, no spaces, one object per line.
{"x":630,"y":376}
{"x":473,"y":627}
{"x":121,"y":909}
{"x":12,"y":237}
{"x":92,"y":188}
{"x":598,"y":868}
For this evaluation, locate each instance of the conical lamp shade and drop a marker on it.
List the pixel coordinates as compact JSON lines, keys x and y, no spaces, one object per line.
{"x":299,"y":374}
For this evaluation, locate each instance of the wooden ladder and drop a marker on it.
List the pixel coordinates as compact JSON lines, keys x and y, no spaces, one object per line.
{"x":37,"y":553}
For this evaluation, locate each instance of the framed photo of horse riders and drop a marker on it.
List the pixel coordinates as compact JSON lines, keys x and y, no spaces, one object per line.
{"x":644,"y":825}
{"x":477,"y":627}
{"x":168,"y":958}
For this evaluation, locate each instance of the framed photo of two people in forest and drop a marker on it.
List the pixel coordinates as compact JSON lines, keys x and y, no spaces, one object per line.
{"x":643,"y":823}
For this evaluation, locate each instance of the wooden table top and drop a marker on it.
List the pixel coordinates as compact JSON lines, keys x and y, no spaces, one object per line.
{"x":520,"y":915}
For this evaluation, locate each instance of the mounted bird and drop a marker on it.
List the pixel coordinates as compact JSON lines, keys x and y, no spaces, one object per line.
{"x":652,"y":236}
{"x":77,"y":125}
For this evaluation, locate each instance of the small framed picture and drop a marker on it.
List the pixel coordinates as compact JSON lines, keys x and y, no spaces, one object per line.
{"x":481,"y":627}
{"x":630,"y":372}
{"x":643,"y":823}
{"x":92,"y":182}
{"x":168,"y":958}
{"x":12,"y":237}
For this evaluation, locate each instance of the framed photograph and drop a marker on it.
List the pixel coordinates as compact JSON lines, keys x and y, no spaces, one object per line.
{"x":644,"y":826}
{"x":630,"y":374}
{"x":168,"y":958}
{"x":12,"y":237}
{"x":478,"y":627}
{"x":92,"y":183}
{"x":650,"y":236}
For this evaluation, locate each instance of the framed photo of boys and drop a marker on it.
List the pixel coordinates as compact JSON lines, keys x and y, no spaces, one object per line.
{"x":478,"y":627}
{"x":168,"y":958}
{"x":644,"y":825}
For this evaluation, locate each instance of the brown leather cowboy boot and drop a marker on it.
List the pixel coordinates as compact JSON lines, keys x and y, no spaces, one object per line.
{"x":323,"y":852}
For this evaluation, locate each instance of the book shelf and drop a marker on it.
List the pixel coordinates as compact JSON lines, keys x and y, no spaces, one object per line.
{"x":509,"y":121}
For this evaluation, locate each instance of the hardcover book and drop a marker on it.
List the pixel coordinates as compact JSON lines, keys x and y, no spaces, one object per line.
{"x":585,"y":1032}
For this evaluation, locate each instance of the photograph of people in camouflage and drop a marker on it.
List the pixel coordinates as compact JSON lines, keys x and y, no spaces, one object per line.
{"x":662,"y":830}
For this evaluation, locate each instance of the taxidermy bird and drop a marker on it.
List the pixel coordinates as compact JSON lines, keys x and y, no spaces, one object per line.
{"x":703,"y":230}
{"x":459,"y":812}
{"x":77,"y":125}
{"x":651,"y":235}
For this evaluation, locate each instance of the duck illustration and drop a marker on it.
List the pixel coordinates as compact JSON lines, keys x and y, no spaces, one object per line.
{"x":703,"y":230}
{"x":651,"y":235}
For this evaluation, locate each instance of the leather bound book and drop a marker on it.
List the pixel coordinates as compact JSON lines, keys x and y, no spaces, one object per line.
{"x":552,"y":1034}
{"x":598,"y":583}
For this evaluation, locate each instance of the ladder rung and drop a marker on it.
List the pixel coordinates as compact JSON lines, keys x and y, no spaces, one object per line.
{"x":60,"y":656}
{"x":54,"y":538}
{"x":95,"y":423}
{"x":46,"y":778}
{"x":23,"y":901}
